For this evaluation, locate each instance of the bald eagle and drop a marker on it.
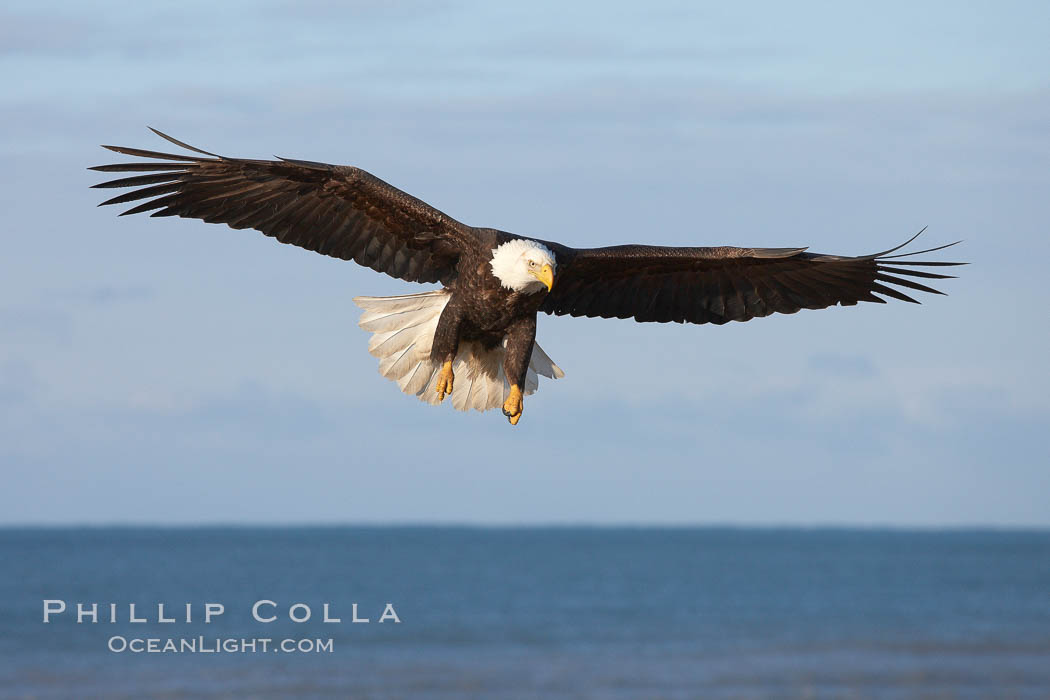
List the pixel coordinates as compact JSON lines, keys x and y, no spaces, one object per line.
{"x":475,"y":338}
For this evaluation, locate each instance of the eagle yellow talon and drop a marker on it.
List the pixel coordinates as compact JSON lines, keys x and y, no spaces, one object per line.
{"x":444,"y":381}
{"x":513,"y":406}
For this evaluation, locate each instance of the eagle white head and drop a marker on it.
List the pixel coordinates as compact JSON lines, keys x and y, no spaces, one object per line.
{"x":525,"y":266}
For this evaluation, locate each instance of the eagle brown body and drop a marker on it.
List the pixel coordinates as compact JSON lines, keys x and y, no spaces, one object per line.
{"x":488,"y":307}
{"x":483,"y":310}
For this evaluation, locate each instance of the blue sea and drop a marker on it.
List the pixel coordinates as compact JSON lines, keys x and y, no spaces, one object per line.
{"x":527,"y":613}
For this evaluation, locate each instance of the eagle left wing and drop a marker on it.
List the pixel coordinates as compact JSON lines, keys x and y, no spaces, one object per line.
{"x":335,"y":210}
{"x":721,"y":284}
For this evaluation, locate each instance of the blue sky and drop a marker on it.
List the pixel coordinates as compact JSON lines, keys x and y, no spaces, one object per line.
{"x":175,"y":372}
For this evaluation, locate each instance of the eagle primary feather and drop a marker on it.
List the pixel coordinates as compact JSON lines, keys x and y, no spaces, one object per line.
{"x":479,"y":327}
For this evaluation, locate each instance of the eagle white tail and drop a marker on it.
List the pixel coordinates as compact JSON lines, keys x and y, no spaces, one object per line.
{"x":402,"y":333}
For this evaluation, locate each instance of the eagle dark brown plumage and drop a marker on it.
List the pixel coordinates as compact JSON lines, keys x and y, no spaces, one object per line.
{"x":480,"y":328}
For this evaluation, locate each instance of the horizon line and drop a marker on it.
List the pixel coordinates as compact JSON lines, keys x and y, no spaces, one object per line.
{"x":539,"y":525}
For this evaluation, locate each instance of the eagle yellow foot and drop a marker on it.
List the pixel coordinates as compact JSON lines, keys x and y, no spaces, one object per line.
{"x":513,"y":406}
{"x":444,"y":381}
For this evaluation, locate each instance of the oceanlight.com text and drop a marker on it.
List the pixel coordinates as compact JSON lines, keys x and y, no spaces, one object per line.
{"x":218,"y":645}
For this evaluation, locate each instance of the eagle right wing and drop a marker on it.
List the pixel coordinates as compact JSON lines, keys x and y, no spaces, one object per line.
{"x":717,"y":285}
{"x":339,"y":211}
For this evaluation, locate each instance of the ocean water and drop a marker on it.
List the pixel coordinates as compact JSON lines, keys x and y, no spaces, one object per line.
{"x":530,"y":613}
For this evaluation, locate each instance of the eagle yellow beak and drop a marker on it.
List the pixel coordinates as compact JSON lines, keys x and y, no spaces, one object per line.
{"x":545,"y":274}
